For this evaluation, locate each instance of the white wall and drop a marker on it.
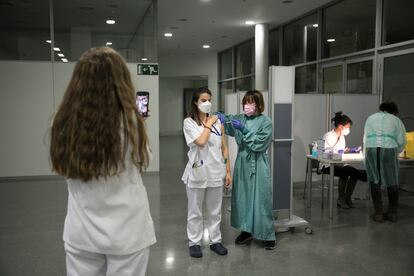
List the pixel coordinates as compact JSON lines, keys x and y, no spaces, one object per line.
{"x":192,"y":65}
{"x":27,"y":104}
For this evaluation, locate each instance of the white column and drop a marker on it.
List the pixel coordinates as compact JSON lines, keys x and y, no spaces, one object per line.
{"x":261,"y":56}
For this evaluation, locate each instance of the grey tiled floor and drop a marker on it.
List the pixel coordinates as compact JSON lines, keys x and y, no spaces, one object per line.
{"x":32,"y":214}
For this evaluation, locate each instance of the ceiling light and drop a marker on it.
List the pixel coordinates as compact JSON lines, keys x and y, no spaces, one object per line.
{"x":249,"y":22}
{"x":49,"y":41}
{"x":315,"y":25}
{"x":64,"y":60}
{"x":168,"y":34}
{"x":56,"y":49}
{"x":144,"y":59}
{"x":287,"y":1}
{"x":331,"y":40}
{"x":206,"y":46}
{"x":109,"y":43}
{"x":110,"y":21}
{"x":61,"y":55}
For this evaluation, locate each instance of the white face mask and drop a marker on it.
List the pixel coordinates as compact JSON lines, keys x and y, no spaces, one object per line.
{"x":205,"y":107}
{"x":346,"y":131}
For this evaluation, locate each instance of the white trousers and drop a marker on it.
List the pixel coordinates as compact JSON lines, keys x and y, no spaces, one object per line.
{"x":82,"y":263}
{"x":212,"y":198}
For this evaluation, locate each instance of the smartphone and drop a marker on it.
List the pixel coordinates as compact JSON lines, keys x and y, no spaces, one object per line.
{"x":142,"y":101}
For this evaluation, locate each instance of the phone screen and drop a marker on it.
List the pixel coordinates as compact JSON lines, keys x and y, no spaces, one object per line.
{"x":142,"y":101}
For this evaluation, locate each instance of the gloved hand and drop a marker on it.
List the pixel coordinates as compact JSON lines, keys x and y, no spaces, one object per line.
{"x":237,"y":124}
{"x":221,"y":116}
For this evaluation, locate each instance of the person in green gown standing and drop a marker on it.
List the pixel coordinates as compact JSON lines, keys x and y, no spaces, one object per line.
{"x":251,"y":202}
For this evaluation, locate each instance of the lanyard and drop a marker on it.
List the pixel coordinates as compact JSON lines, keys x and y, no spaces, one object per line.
{"x":215,"y":131}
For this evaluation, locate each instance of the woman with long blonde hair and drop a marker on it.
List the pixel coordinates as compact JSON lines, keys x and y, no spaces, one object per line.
{"x":99,"y":144}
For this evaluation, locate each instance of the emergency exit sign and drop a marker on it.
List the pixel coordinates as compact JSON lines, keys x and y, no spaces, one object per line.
{"x":147,"y":69}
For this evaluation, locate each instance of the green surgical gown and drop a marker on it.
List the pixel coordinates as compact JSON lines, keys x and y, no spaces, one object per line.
{"x":251,"y":202}
{"x":384,"y":138}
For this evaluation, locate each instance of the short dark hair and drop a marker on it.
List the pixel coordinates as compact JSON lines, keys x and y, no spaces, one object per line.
{"x":389,"y":107}
{"x":341,"y":119}
{"x":254,"y":96}
{"x":194,"y":113}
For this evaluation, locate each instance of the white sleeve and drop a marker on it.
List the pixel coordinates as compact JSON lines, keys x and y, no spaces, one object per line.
{"x":191,"y":131}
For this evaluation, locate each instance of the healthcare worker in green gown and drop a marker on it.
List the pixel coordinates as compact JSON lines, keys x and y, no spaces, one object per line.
{"x":251,"y":202}
{"x":384,"y":139}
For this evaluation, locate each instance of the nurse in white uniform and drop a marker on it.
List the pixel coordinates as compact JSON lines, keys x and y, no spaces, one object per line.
{"x":208,"y":168}
{"x":99,"y":144}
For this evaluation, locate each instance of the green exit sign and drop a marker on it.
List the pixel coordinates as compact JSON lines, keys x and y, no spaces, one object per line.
{"x":150,"y":69}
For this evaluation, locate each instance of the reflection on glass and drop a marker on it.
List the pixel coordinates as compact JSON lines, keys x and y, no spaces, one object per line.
{"x":225,"y":88}
{"x":349,"y":26}
{"x":226,"y":65}
{"x":25,"y":30}
{"x":305,"y":79}
{"x":133,"y":35}
{"x":398,"y":86}
{"x":299,"y":42}
{"x":359,"y":77}
{"x":274,"y":47}
{"x":398,"y":25}
{"x":332,"y":80}
{"x":244,"y":59}
{"x":244,"y":84}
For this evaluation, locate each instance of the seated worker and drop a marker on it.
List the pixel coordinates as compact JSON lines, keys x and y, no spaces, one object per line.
{"x":348,"y":175}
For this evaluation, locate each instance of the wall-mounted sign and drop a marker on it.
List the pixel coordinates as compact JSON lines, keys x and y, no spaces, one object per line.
{"x":150,"y":69}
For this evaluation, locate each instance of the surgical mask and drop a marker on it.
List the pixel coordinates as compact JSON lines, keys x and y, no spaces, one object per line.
{"x":249,"y":109}
{"x":346,"y":131}
{"x":205,"y":107}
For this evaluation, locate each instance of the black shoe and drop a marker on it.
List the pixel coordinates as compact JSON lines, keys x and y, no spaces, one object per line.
{"x":195,"y":251}
{"x":270,"y":245}
{"x":219,"y":249}
{"x":377,"y":218}
{"x":243,"y":238}
{"x":390,"y":217}
{"x":342,"y":204}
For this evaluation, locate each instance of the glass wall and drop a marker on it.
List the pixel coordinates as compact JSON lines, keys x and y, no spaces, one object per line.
{"x":25,"y":30}
{"x":332,"y":79}
{"x":349,"y":26}
{"x":244,"y":59}
{"x":225,"y":88}
{"x":226,"y":66}
{"x":299,"y":40}
{"x":305,"y":79}
{"x":398,"y":24}
{"x":359,"y":77}
{"x":274,"y":47}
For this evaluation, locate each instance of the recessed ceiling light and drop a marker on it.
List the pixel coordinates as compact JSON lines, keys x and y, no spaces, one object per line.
{"x":61,"y":55}
{"x":56,"y":49}
{"x":287,"y":1}
{"x":109,"y":43}
{"x":49,"y":41}
{"x":168,"y":34}
{"x":183,"y":19}
{"x":249,"y":22}
{"x":315,"y":25}
{"x":331,"y":40}
{"x":110,"y":21}
{"x":224,"y":36}
{"x":144,"y":59}
{"x":206,"y":46}
{"x":85,"y":8}
{"x":64,"y":60}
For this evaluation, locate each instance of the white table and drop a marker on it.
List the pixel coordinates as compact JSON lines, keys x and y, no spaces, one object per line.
{"x":332,"y":164}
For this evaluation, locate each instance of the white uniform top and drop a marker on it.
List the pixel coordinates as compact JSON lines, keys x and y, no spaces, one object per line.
{"x":334,"y":142}
{"x":109,"y":216}
{"x":211,"y":155}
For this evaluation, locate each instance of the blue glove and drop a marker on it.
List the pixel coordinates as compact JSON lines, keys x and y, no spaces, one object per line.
{"x":221,"y":116}
{"x":237,"y":124}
